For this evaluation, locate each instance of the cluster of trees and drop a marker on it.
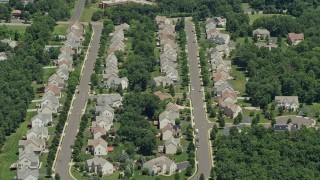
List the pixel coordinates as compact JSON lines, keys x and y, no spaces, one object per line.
{"x":133,"y":118}
{"x":183,"y":58}
{"x":294,"y":8}
{"x":78,"y":144}
{"x":191,"y":149}
{"x":17,"y":74}
{"x":260,"y":153}
{"x":5,"y":11}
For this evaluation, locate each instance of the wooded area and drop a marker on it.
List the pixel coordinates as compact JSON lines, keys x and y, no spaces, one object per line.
{"x":259,"y":153}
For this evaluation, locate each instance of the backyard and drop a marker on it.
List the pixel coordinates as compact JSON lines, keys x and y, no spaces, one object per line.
{"x":88,"y":11}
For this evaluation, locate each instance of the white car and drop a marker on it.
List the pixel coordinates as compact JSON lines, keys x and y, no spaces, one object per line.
{"x":192,"y":89}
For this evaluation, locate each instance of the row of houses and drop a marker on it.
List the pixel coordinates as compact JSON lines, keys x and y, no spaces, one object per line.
{"x":34,"y":143}
{"x":110,"y":74}
{"x":212,"y":30}
{"x":170,"y":132}
{"x":100,"y":127}
{"x":169,"y":52}
{"x":221,"y":68}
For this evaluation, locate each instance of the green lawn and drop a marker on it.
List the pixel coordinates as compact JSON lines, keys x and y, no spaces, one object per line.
{"x":138,"y":176}
{"x":312,"y":109}
{"x":9,"y":151}
{"x":242,"y":39}
{"x":239,"y":84}
{"x":47,"y":73}
{"x":253,"y":17}
{"x":88,"y":11}
{"x":20,"y":29}
{"x":60,"y":29}
{"x":246,"y":5}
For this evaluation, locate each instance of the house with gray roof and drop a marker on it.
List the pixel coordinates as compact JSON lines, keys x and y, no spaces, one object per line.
{"x":171,"y":145}
{"x":168,"y":117}
{"x":287,"y":102}
{"x":73,"y":44}
{"x":50,"y":102}
{"x":27,"y":174}
{"x":116,"y":81}
{"x":34,"y":144}
{"x":160,"y":166}
{"x":220,"y":38}
{"x":41,"y":120}
{"x":99,"y":165}
{"x":172,"y":73}
{"x":56,"y":80}
{"x":105,"y":110}
{"x":103,"y":121}
{"x":39,"y":132}
{"x":63,"y":73}
{"x":28,"y":160}
{"x":223,"y":87}
{"x":65,"y":55}
{"x":229,"y":109}
{"x":163,"y":81}
{"x":114,"y":100}
{"x":262,"y":34}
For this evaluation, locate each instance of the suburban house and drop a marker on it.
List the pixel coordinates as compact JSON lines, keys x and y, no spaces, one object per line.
{"x":41,"y":120}
{"x":227,"y":96}
{"x":220,"y":38}
{"x":211,"y":32}
{"x":103,"y":121}
{"x":163,"y":81}
{"x":98,"y":146}
{"x":173,"y":74}
{"x":98,"y":132}
{"x":10,"y":43}
{"x":38,"y":132}
{"x":77,"y":27}
{"x":285,"y":127}
{"x":99,"y":165}
{"x":34,"y":144}
{"x":163,"y":20}
{"x":27,"y":174}
{"x":262,"y":34}
{"x":28,"y":160}
{"x":168,"y":117}
{"x":105,"y":110}
{"x":220,"y":21}
{"x":56,"y":80}
{"x":231,"y":110}
{"x":63,"y":73}
{"x":64,"y":64}
{"x":116,"y":81}
{"x":3,"y":56}
{"x":160,"y":165}
{"x":114,"y":100}
{"x":287,"y":102}
{"x":295,"y":39}
{"x":169,"y":131}
{"x":223,"y":87}
{"x":52,"y":90}
{"x":171,"y":145}
{"x":50,"y":102}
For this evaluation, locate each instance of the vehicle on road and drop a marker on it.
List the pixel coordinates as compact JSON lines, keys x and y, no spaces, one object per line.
{"x":198,"y":146}
{"x":196,"y":131}
{"x":192,"y":89}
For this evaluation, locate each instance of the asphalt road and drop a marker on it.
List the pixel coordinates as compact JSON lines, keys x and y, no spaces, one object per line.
{"x":64,"y":156}
{"x":201,"y":123}
{"x":77,"y":11}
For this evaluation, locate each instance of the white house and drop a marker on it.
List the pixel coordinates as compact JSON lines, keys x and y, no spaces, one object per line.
{"x":28,"y":160}
{"x":41,"y":120}
{"x":160,"y":165}
{"x":171,"y":145}
{"x":27,"y":174}
{"x":103,"y":121}
{"x":288,"y":102}
{"x":39,"y":132}
{"x":98,"y":146}
{"x":99,"y":165}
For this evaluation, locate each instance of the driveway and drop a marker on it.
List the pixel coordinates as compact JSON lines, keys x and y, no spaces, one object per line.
{"x":203,"y":153}
{"x":64,"y":156}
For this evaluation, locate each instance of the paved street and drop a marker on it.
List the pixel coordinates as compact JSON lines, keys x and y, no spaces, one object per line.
{"x":77,"y":11}
{"x":64,"y":156}
{"x":203,"y":152}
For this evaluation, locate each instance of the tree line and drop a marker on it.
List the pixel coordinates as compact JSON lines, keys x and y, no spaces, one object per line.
{"x":260,"y":153}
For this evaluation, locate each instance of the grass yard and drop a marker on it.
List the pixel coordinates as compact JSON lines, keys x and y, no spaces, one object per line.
{"x":114,"y":176}
{"x":87,"y":12}
{"x":138,"y":176}
{"x":20,"y":29}
{"x":253,"y":17}
{"x":60,"y":29}
{"x":242,"y":39}
{"x":47,"y":73}
{"x":239,"y":84}
{"x":246,"y":5}
{"x":312,"y":109}
{"x":9,"y":151}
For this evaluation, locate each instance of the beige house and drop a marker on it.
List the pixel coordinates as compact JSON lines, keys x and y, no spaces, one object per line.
{"x":38,"y":132}
{"x":98,"y":146}
{"x":28,"y":159}
{"x":262,"y":34}
{"x":160,"y":165}
{"x":288,"y":102}
{"x":99,"y":165}
{"x":97,"y":132}
{"x":169,"y":131}
{"x":171,"y":145}
{"x":34,"y":144}
{"x":229,"y":109}
{"x":103,"y":121}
